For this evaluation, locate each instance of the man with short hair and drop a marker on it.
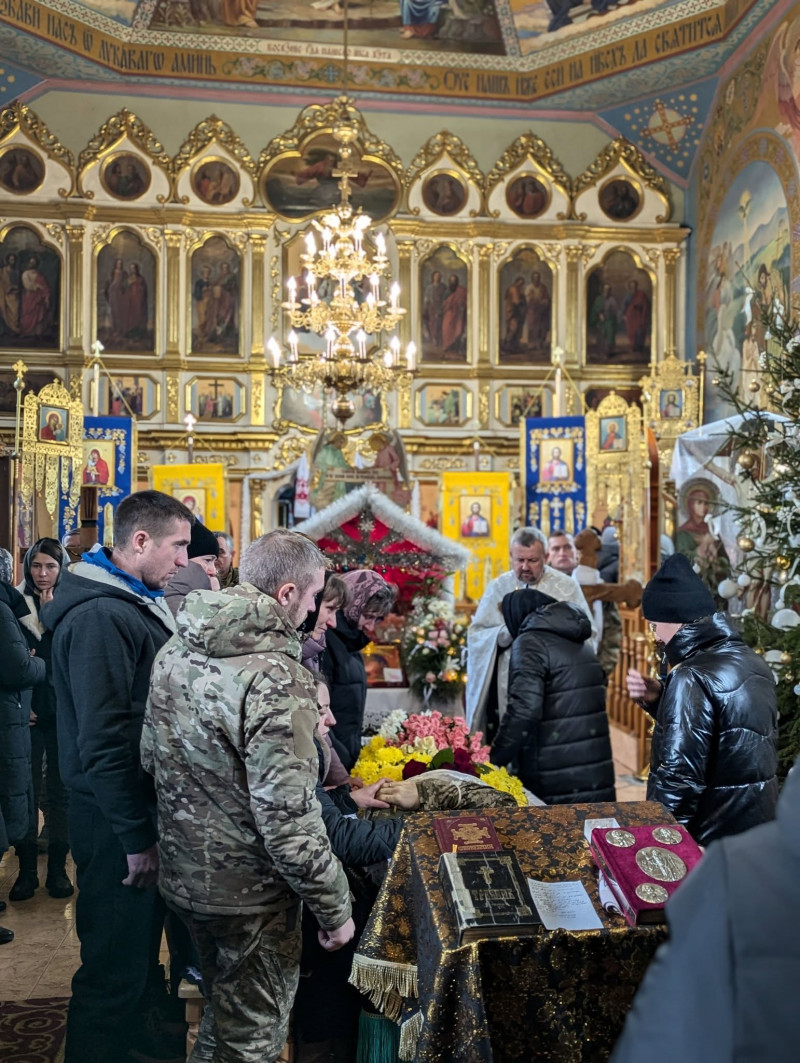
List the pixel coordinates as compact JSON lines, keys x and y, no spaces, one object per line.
{"x":229,"y":738}
{"x":109,"y":620}
{"x":563,"y":556}
{"x":71,"y":541}
{"x":488,"y":636}
{"x":713,"y":758}
{"x":227,"y":574}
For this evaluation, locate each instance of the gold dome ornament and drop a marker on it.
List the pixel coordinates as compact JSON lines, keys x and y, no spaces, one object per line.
{"x":754,"y":386}
{"x":786,"y":658}
{"x":746,"y":459}
{"x":745,"y":543}
{"x":781,"y":561}
{"x":759,"y":650}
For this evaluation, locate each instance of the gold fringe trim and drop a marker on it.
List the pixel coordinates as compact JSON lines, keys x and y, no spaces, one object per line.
{"x":409,"y":1035}
{"x":384,"y":983}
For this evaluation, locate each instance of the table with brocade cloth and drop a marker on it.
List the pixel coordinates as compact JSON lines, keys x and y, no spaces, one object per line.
{"x":555,"y":996}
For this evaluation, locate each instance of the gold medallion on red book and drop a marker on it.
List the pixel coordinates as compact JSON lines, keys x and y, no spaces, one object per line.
{"x":661,"y":864}
{"x":651,"y":893}
{"x":668,"y":836}
{"x":621,"y":838}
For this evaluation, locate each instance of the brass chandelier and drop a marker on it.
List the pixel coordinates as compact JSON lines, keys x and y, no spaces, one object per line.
{"x":355,"y":318}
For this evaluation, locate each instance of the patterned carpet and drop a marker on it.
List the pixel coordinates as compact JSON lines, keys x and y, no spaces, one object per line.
{"x":32,"y":1031}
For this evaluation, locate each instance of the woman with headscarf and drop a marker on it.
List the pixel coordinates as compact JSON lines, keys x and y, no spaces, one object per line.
{"x":555,"y":727}
{"x":371,"y":598}
{"x":42,"y":569}
{"x":19,"y":673}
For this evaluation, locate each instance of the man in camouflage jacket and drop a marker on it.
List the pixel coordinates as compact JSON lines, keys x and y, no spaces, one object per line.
{"x":229,"y":738}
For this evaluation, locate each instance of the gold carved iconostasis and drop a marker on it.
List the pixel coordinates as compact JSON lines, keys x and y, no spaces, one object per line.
{"x":178,"y":264}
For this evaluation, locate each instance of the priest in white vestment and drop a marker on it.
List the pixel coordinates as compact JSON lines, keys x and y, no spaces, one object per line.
{"x":487,"y":634}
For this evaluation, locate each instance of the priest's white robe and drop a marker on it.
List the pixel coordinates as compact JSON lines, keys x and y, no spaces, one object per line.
{"x":487,"y":628}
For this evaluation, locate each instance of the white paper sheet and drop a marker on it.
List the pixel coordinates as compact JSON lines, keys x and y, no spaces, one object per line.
{"x":590,"y":824}
{"x":564,"y":905}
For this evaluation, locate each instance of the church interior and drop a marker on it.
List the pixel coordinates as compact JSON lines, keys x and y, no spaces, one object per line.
{"x":405,"y":278}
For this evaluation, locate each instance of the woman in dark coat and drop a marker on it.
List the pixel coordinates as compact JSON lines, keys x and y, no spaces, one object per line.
{"x":19,"y":673}
{"x":42,"y":569}
{"x":555,"y":728}
{"x":370,"y":599}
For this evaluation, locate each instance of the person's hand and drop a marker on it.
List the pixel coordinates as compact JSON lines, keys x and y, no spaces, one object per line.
{"x":32,"y":719}
{"x":142,"y":868}
{"x":504,"y":638}
{"x":365,"y":797}
{"x":642,"y":688}
{"x":331,"y":940}
{"x":401,"y":794}
{"x":45,"y":595}
{"x":354,"y":782}
{"x":214,"y":583}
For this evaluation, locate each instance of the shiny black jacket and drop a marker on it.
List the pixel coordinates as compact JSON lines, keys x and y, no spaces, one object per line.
{"x":555,"y":727}
{"x":713,"y":759}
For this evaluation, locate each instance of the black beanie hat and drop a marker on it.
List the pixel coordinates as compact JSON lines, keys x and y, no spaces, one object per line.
{"x":520,"y":604}
{"x":203,"y":541}
{"x":676,"y":594}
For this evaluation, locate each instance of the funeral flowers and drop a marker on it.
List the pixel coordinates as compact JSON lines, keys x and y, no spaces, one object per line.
{"x":434,"y":649}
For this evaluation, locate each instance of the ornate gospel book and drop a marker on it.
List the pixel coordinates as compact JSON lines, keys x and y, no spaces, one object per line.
{"x":465,"y":834}
{"x":488,"y":893}
{"x":643,"y":866}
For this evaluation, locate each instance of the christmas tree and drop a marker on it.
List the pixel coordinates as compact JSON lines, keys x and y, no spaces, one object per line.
{"x":767,"y":449}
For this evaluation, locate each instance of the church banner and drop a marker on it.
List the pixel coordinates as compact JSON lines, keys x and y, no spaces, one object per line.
{"x":109,"y":456}
{"x":553,"y":460}
{"x":475,"y":513}
{"x":200,"y":487}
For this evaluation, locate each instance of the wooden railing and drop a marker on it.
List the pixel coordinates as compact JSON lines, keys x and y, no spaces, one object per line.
{"x":635,"y":652}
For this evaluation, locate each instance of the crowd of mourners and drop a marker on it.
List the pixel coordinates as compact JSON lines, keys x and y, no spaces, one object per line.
{"x":188,"y":729}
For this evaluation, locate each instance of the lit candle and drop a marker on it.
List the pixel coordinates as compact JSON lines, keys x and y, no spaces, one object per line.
{"x":361,"y":336}
{"x":411,"y":357}
{"x":394,"y":293}
{"x":275,"y":351}
{"x":292,"y":337}
{"x":375,"y":281}
{"x":311,"y":244}
{"x":388,"y":359}
{"x":96,"y":390}
{"x":476,"y":449}
{"x":380,"y":244}
{"x":291,"y":285}
{"x":394,"y":346}
{"x":330,"y":336}
{"x":326,"y":237}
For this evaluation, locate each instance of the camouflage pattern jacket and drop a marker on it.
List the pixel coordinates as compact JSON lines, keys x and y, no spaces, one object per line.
{"x":229,"y":737}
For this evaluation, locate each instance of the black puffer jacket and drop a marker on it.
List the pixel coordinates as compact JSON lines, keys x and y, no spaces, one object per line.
{"x":713,"y":760}
{"x":19,"y":672}
{"x":343,"y":667}
{"x":555,"y":726}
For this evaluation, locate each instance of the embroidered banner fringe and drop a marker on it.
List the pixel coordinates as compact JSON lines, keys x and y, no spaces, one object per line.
{"x":409,"y":1035}
{"x":384,"y":983}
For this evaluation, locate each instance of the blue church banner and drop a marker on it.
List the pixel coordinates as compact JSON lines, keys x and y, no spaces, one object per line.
{"x":109,"y":456}
{"x":554,"y":464}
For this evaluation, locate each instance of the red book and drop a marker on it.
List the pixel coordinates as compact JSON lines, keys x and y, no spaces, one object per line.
{"x":644,"y":866}
{"x":466,"y":834}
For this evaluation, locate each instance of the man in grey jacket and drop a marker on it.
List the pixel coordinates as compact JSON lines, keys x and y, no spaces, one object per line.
{"x":725,"y":986}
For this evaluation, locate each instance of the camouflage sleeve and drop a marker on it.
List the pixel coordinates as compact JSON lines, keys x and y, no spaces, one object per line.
{"x":282,"y":770}
{"x":438,"y":791}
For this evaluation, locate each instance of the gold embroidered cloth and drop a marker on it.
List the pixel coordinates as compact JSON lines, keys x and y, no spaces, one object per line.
{"x":556,"y":995}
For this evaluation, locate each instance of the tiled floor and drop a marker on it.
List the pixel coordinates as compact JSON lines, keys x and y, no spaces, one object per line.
{"x":44,"y":954}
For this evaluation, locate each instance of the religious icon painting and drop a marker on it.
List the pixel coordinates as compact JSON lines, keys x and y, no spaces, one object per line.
{"x":613,"y":434}
{"x":515,"y":403}
{"x":300,"y":183}
{"x":526,"y":309}
{"x":30,"y":291}
{"x":130,"y":396}
{"x":619,"y":319}
{"x":215,"y":181}
{"x":443,"y":405}
{"x":201,"y":488}
{"x":556,"y":462}
{"x":21,"y":170}
{"x":444,"y":284}
{"x":475,"y":517}
{"x":527,"y":196}
{"x":670,"y":404}
{"x":53,"y":424}
{"x":620,"y":199}
{"x":194,"y":500}
{"x":215,"y":398}
{"x":444,"y":193}
{"x":8,"y":393}
{"x":125,"y":294}
{"x":99,"y":462}
{"x":125,"y":175}
{"x":215,"y":298}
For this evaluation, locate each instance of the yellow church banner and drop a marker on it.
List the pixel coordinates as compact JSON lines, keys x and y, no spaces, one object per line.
{"x":201,"y":488}
{"x":476,"y":513}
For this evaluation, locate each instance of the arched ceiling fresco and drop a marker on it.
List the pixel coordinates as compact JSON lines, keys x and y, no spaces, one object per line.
{"x":646,"y":68}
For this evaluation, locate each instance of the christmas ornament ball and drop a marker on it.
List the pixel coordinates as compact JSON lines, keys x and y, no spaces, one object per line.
{"x":744,"y":580}
{"x":746,"y":459}
{"x":786,"y":658}
{"x":782,"y":561}
{"x":727,"y":589}
{"x":745,"y":543}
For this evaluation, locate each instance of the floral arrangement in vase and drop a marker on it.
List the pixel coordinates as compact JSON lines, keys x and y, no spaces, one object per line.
{"x":434,"y":652}
{"x":407,"y":746}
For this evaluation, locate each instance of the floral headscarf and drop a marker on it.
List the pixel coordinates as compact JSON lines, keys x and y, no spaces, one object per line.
{"x":6,"y":566}
{"x":362,"y":584}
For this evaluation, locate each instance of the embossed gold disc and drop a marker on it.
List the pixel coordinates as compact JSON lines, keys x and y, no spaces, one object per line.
{"x":661,"y":864}
{"x":667,"y":835}
{"x":623,"y":838}
{"x":651,"y":893}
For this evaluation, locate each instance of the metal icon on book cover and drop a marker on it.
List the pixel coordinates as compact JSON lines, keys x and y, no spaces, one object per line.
{"x":667,"y":835}
{"x":623,"y":839}
{"x":650,"y":893}
{"x":661,"y":864}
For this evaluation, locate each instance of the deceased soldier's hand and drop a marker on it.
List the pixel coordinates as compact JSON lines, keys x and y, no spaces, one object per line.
{"x":401,"y":794}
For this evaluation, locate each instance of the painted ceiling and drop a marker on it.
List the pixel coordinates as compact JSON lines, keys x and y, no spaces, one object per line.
{"x":645,"y":68}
